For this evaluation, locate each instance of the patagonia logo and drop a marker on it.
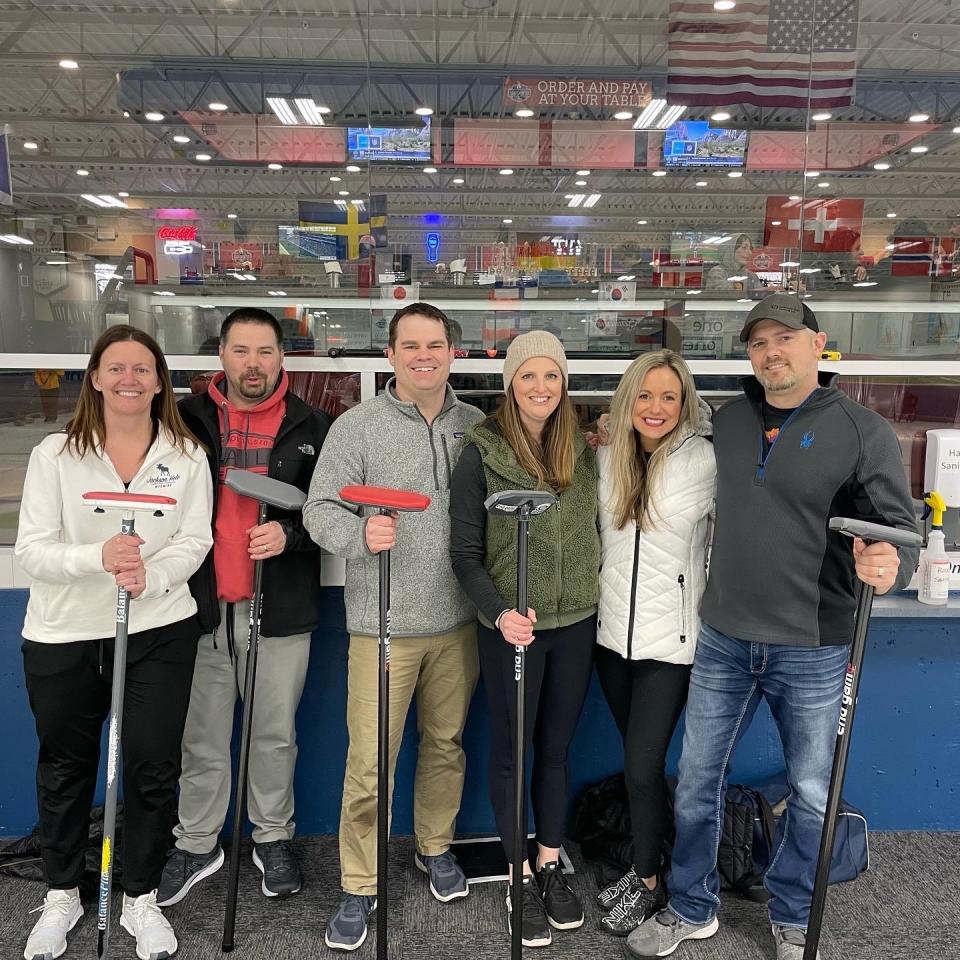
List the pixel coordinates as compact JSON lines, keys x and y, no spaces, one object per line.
{"x":806,"y":441}
{"x":163,"y":477}
{"x":307,"y":448}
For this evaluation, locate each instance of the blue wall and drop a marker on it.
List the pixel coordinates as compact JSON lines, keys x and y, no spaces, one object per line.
{"x":904,"y":764}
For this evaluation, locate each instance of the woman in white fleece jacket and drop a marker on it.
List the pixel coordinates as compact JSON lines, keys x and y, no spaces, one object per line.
{"x":657,"y":487}
{"x":126,"y":434}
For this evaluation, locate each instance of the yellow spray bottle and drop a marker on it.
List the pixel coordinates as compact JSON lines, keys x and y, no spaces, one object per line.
{"x":934,"y":563}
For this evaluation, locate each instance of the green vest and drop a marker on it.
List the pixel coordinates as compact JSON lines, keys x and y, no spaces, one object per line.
{"x":564,"y":544}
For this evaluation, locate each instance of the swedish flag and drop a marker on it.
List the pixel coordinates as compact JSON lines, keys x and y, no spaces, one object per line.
{"x":358,"y":224}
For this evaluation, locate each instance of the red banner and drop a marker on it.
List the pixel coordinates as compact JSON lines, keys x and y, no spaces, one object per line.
{"x":573,"y":92}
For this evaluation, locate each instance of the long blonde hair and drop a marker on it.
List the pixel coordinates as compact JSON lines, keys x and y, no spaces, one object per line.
{"x":552,"y":460}
{"x":86,"y":429}
{"x":633,"y":476}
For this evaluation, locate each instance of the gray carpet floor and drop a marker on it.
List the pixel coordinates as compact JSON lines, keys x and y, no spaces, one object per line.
{"x":906,"y":907}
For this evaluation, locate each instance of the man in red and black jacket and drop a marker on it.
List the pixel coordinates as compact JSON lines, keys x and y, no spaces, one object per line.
{"x":248,"y":420}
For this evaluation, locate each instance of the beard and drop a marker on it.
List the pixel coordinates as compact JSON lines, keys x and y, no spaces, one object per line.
{"x":253,"y":392}
{"x":787,"y":382}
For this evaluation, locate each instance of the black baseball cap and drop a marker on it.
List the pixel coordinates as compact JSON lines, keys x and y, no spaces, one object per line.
{"x":785,"y":309}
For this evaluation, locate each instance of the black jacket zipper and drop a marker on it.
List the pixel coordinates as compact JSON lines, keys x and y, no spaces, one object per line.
{"x":446,"y":456}
{"x":633,"y":593}
{"x":683,"y":609}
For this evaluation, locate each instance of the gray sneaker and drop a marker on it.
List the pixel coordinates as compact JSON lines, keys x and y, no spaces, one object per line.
{"x":184,"y":870}
{"x":347,"y":928}
{"x":662,"y":933}
{"x":447,"y":880}
{"x":790,"y":942}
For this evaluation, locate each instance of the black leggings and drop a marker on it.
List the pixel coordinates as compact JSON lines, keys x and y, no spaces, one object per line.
{"x":70,"y":700}
{"x":646,"y":698}
{"x":557,"y":674}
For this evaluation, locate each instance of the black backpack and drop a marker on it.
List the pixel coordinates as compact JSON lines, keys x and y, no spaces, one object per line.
{"x":746,"y":842}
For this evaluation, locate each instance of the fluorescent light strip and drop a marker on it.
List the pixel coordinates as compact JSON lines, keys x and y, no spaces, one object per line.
{"x":575,"y":199}
{"x":282,"y":110}
{"x":308,"y":110}
{"x":13,"y":238}
{"x":649,"y":114}
{"x":112,"y":201}
{"x":671,"y":115}
{"x":592,"y":200}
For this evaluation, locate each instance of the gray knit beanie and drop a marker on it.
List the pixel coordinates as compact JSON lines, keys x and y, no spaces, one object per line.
{"x":536,"y":343}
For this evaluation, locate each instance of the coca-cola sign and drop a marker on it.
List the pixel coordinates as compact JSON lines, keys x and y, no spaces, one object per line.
{"x":177,"y":233}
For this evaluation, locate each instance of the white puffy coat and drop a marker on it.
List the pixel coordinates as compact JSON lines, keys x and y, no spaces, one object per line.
{"x":651,"y":581}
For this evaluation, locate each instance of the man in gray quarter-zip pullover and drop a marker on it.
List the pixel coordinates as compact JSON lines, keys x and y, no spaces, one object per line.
{"x":778,"y":611}
{"x":410,"y":437}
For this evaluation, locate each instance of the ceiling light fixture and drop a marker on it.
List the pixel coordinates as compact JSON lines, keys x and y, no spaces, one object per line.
{"x":458,"y":180}
{"x":575,"y":199}
{"x":823,"y":183}
{"x":812,"y":174}
{"x":311,"y":113}
{"x":15,"y":239}
{"x":353,"y":168}
{"x":523,"y":113}
{"x":180,"y":138}
{"x":919,"y":148}
{"x":671,"y":115}
{"x":336,"y":179}
{"x":592,"y":200}
{"x":641,"y":223}
{"x":424,"y":111}
{"x":429,"y":169}
{"x":701,"y":183}
{"x":735,"y":174}
{"x":583,"y":173}
{"x":282,"y":110}
{"x":218,"y":106}
{"x":891,"y":215}
{"x":344,"y":193}
{"x":693,"y":293}
{"x":231,"y":216}
{"x":202,"y":157}
{"x":649,"y":114}
{"x":881,"y":166}
{"x":154,"y":116}
{"x":820,"y":117}
{"x":506,"y":172}
{"x":30,"y":145}
{"x":919,"y":117}
{"x":723,"y":5}
{"x":580,"y":183}
{"x":720,"y":116}
{"x":775,"y":223}
{"x":623,"y":115}
{"x":123,"y":193}
{"x":103,"y":200}
{"x":794,"y":197}
{"x":274,"y":166}
{"x":69,"y":64}
{"x":507,"y":220}
{"x":83,"y":173}
{"x":659,"y":173}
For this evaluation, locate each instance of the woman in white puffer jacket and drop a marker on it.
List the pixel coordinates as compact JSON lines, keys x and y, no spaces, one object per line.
{"x":657,"y":488}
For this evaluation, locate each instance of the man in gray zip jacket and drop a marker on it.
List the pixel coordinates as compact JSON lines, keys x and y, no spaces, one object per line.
{"x":778,"y":611}
{"x":408,"y":437}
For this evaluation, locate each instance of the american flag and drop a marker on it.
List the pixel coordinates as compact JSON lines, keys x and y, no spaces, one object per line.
{"x":769,"y":53}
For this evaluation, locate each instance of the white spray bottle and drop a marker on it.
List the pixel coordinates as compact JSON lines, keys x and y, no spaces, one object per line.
{"x":934,"y":563}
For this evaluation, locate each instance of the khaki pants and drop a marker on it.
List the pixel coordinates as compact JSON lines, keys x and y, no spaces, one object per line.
{"x":217,"y":685}
{"x":442,"y":670}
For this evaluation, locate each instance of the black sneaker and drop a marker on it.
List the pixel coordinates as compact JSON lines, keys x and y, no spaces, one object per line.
{"x":608,"y":896}
{"x":534,"y":929}
{"x":281,"y":872}
{"x":184,"y":870}
{"x":636,"y":903}
{"x":561,"y":904}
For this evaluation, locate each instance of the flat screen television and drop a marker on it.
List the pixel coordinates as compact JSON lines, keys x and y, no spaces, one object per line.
{"x":307,"y":243}
{"x":390,"y":143}
{"x":694,"y":143}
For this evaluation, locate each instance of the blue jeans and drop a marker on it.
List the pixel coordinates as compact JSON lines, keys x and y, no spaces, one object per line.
{"x":802,"y":686}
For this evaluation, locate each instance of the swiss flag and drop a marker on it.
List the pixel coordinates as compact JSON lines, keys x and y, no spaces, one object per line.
{"x":827,"y":226}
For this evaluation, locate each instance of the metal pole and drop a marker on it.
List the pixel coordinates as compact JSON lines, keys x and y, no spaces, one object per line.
{"x":520,"y":768}
{"x":383,"y":753}
{"x":113,"y":758}
{"x":848,"y":706}
{"x":246,"y":727}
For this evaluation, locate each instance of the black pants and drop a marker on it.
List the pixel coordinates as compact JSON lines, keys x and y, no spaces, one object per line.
{"x":557,"y":674}
{"x":646,"y":698}
{"x":70,"y":700}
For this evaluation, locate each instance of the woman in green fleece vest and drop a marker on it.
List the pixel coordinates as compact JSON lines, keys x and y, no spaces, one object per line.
{"x":532,"y":442}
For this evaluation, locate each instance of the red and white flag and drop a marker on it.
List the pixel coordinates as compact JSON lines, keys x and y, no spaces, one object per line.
{"x":815,"y":225}
{"x":769,"y":53}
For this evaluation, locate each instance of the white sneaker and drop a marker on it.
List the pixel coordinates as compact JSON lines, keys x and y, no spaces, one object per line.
{"x":143,"y":919}
{"x":48,"y":938}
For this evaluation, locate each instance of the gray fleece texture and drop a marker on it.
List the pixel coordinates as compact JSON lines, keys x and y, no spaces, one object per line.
{"x":386,"y":442}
